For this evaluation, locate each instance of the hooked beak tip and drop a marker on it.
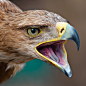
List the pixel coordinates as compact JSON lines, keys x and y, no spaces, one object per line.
{"x":71,"y":34}
{"x":75,"y":38}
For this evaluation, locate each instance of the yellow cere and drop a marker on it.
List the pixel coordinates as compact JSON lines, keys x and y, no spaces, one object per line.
{"x":61,"y":28}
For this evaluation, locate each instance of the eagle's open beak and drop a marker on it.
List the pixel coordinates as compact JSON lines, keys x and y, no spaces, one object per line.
{"x":54,"y":50}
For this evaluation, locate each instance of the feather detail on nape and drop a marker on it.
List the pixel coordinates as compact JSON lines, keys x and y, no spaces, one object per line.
{"x":7,"y":6}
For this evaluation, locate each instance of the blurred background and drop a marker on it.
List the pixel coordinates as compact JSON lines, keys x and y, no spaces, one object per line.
{"x":39,"y":73}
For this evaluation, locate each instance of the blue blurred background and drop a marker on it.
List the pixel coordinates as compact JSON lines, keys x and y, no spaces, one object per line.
{"x":35,"y":73}
{"x":39,"y":73}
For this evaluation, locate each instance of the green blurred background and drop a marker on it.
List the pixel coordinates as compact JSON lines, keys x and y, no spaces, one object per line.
{"x":39,"y":73}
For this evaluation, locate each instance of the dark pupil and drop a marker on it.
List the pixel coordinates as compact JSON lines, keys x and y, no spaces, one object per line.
{"x":33,"y":30}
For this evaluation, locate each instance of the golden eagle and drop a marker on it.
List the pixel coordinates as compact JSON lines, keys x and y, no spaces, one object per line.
{"x":32,"y":34}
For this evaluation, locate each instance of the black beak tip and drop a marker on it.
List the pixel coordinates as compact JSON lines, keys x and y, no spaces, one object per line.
{"x":75,"y":37}
{"x":78,"y":47}
{"x":78,"y":44}
{"x":68,"y":74}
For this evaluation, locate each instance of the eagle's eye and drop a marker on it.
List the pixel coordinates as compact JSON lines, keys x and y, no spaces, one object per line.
{"x":33,"y":32}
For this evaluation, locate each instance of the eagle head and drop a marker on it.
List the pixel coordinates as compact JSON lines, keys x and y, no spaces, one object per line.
{"x":35,"y":34}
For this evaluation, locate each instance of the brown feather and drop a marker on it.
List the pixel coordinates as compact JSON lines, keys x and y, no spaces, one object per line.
{"x":8,"y":70}
{"x":16,"y":48}
{"x":7,"y":6}
{"x":5,"y":72}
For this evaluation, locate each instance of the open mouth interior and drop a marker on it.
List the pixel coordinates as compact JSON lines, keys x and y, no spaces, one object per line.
{"x":54,"y":51}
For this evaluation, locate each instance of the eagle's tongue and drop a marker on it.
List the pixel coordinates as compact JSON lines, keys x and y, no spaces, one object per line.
{"x":48,"y":52}
{"x":53,"y":52}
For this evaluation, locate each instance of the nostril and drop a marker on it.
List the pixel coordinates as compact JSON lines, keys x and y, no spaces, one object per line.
{"x":62,"y":30}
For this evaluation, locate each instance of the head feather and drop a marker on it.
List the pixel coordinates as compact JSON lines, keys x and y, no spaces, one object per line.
{"x":7,"y":6}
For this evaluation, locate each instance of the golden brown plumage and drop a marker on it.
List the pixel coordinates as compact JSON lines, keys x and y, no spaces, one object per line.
{"x":16,"y":47}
